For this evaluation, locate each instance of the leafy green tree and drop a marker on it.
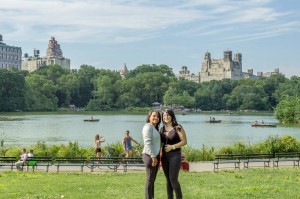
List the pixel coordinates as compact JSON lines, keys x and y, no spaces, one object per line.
{"x":270,"y":85}
{"x":288,"y":110}
{"x":105,"y":91}
{"x":185,"y":100}
{"x":67,"y":89}
{"x":12,"y":90}
{"x":145,"y":68}
{"x":40,"y":95}
{"x":247,"y":95}
{"x":128,"y":93}
{"x":289,"y":87}
{"x":86,"y":75}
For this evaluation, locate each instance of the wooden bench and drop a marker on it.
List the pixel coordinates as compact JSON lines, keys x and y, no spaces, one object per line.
{"x":70,"y":162}
{"x":38,"y":161}
{"x":110,"y":162}
{"x":8,"y":161}
{"x":132,"y":162}
{"x":287,"y":157}
{"x":260,"y":157}
{"x":234,"y":159}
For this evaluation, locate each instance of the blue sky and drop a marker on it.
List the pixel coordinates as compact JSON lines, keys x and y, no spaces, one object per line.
{"x":108,"y":33}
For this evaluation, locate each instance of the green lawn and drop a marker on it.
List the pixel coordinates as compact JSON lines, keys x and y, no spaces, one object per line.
{"x":252,"y":183}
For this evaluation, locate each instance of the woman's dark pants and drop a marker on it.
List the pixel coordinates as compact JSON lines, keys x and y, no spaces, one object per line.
{"x":151,"y":176}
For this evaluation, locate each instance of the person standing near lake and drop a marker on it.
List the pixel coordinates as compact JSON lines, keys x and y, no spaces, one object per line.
{"x":97,"y":143}
{"x":152,"y":143}
{"x":173,"y":138}
{"x":127,"y":143}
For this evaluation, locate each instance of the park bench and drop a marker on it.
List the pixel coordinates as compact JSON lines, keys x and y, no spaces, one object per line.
{"x":38,"y":161}
{"x":8,"y":161}
{"x":70,"y":162}
{"x":227,"y":159}
{"x":287,"y":157}
{"x":256,"y":158}
{"x":132,"y":162}
{"x":110,"y":162}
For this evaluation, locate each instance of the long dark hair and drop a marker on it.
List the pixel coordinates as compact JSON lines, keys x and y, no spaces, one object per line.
{"x":173,"y":117}
{"x":159,"y":117}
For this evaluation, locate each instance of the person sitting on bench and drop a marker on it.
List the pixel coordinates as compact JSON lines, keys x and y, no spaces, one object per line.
{"x":23,"y":159}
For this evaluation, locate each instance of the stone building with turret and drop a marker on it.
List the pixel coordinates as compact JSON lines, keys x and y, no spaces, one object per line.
{"x":123,"y":71}
{"x":10,"y":56}
{"x":218,"y":69}
{"x":186,"y":74}
{"x":53,"y":56}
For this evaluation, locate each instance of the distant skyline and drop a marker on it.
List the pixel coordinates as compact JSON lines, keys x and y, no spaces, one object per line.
{"x":108,"y":33}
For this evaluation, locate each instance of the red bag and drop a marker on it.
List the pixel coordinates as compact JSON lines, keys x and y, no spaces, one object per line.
{"x":185,"y":165}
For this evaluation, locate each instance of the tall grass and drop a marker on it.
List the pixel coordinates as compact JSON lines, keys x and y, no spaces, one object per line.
{"x":272,"y":144}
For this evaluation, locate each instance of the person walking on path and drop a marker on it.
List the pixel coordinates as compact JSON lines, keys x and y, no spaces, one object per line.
{"x":23,"y":159}
{"x":150,"y":154}
{"x":127,"y":143}
{"x":173,"y":138}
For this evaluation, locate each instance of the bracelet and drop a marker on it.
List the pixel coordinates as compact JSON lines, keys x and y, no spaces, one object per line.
{"x":173,"y":147}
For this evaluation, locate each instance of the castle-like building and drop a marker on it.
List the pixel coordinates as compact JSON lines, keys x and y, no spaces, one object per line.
{"x":123,"y":71}
{"x":186,"y":74}
{"x":221,"y":68}
{"x":218,"y":69}
{"x":53,"y":56}
{"x":10,"y":56}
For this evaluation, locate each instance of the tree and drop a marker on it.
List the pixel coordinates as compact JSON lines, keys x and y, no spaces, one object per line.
{"x":12,"y":90}
{"x":67,"y":89}
{"x":40,"y":95}
{"x":145,"y":68}
{"x":288,"y":110}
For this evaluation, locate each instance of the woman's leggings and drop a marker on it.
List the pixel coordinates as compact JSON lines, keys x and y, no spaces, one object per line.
{"x":151,"y":175}
{"x":171,"y":163}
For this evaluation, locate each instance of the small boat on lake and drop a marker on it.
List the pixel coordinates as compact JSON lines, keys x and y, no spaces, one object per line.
{"x":264,"y":125}
{"x":92,"y":120}
{"x":213,"y":120}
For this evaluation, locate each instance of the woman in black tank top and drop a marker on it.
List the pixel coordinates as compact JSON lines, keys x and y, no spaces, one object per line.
{"x":173,"y":137}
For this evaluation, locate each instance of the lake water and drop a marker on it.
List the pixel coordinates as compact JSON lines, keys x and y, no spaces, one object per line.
{"x":60,"y":129}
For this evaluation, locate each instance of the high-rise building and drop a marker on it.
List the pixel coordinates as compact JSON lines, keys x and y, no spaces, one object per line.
{"x":53,"y":56}
{"x":10,"y":56}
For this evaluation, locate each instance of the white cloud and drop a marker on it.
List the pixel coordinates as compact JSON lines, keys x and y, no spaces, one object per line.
{"x":121,"y":21}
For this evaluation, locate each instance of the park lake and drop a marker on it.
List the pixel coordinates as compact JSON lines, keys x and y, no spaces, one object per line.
{"x":28,"y":129}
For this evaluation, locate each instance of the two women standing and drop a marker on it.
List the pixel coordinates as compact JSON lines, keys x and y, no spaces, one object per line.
{"x":172,"y":137}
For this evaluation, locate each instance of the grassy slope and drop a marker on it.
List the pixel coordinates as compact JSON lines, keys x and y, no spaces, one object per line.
{"x":252,"y":183}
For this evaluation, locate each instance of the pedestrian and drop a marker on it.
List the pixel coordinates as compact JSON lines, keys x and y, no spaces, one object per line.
{"x":127,"y":143}
{"x":173,"y":138}
{"x":151,"y":150}
{"x":97,"y":143}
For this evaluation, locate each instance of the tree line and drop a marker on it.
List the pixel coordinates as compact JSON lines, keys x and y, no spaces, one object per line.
{"x":52,"y":87}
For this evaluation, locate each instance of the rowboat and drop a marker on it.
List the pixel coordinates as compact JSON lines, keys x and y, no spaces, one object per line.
{"x":214,"y":121}
{"x":92,"y":120}
{"x":263,"y":125}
